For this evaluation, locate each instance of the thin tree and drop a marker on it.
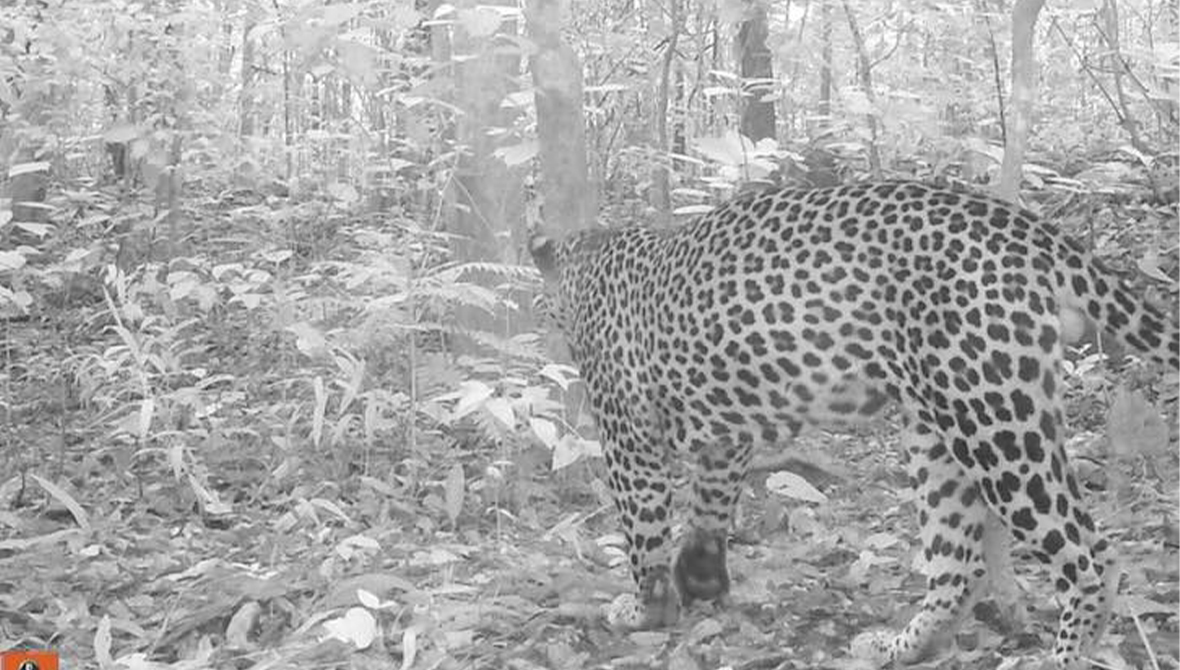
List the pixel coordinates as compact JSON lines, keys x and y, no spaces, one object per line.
{"x":756,"y":64}
{"x":864,"y":70}
{"x":661,"y":187}
{"x":1024,"y":64}
{"x":487,"y":192}
{"x":825,"y":69}
{"x":561,"y":136}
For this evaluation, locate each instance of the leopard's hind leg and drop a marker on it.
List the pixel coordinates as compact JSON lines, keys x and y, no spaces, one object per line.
{"x":952,"y":519}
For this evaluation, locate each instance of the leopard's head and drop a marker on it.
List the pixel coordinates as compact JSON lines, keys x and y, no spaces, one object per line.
{"x":550,"y":304}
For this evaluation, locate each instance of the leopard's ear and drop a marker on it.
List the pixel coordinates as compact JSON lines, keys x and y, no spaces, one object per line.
{"x":544,"y":252}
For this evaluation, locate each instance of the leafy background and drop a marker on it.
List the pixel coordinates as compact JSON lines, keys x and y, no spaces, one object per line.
{"x":272,"y":394}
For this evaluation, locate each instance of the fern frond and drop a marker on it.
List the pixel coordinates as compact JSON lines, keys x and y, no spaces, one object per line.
{"x":460,"y":294}
{"x":526,"y":346}
{"x":455,"y":271}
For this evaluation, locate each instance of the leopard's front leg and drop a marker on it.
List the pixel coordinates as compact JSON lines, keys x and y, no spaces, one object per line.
{"x":637,"y":472}
{"x":700,"y":569}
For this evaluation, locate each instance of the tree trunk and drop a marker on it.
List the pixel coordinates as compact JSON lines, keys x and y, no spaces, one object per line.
{"x":1169,"y":85}
{"x":343,"y":143}
{"x":1109,"y":14}
{"x":865,"y":72}
{"x":1024,"y":21}
{"x":795,"y":113}
{"x":561,"y":136}
{"x":825,"y":70}
{"x":290,"y":89}
{"x":661,"y":191}
{"x":757,"y":69}
{"x":246,"y":93}
{"x":487,"y":192}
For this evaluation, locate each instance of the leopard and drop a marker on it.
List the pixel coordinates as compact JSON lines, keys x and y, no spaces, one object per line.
{"x":784,"y":309}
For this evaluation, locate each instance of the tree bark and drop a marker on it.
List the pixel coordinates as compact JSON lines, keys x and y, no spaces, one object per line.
{"x":246,"y":93}
{"x":561,"y":135}
{"x":825,"y":69}
{"x":757,"y":69}
{"x":486,"y":196}
{"x":1109,"y":15}
{"x":488,"y":193}
{"x":1171,"y":106}
{"x":661,"y":192}
{"x":865,"y":71}
{"x":1024,"y":20}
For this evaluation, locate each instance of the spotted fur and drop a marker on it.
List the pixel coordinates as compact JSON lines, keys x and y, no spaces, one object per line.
{"x":787,"y":308}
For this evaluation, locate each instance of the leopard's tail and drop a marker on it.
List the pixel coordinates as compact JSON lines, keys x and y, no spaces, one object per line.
{"x":1091,"y":291}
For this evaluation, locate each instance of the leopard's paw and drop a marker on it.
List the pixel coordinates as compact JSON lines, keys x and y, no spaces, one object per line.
{"x":700,"y":571}
{"x":873,"y":646}
{"x":657,"y":604}
{"x":625,"y":612}
{"x":661,"y":603}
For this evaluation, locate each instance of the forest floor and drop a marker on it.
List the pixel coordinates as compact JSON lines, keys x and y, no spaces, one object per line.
{"x":116,"y":571}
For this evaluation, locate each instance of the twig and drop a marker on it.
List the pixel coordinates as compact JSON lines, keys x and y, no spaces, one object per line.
{"x":995,"y":54}
{"x":1155,"y":663}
